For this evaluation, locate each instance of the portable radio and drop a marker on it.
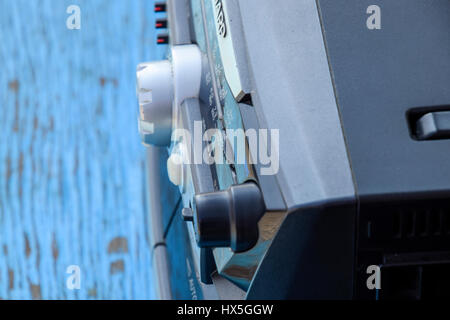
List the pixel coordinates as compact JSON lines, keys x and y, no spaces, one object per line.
{"x":310,"y":148}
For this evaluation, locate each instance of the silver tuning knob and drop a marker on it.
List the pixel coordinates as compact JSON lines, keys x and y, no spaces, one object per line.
{"x":161,"y":87}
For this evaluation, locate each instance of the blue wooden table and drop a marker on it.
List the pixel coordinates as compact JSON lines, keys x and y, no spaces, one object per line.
{"x":71,"y":164}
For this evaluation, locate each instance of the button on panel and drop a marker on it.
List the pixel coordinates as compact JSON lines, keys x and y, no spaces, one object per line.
{"x":433,"y":125}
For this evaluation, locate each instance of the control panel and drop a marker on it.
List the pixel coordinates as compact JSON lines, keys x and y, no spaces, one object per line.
{"x":195,"y":104}
{"x":308,"y":146}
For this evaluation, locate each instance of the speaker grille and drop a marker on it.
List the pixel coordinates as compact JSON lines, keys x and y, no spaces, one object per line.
{"x":421,"y":223}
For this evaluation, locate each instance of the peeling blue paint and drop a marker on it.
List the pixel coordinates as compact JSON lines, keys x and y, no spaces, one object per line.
{"x":71,"y":165}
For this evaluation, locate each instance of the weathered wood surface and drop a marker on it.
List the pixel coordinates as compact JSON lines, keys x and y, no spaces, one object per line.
{"x":71,"y":165}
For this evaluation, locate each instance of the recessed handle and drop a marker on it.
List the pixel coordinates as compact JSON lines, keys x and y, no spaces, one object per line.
{"x":433,"y":126}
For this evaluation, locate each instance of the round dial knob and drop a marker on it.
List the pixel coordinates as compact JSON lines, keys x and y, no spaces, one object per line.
{"x":155,"y":95}
{"x":161,"y":87}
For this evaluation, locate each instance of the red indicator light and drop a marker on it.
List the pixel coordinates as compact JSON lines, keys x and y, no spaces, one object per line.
{"x":161,"y":24}
{"x":162,"y":39}
{"x":160,"y":7}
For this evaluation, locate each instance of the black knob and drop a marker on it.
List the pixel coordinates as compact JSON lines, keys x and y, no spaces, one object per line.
{"x":229,"y":218}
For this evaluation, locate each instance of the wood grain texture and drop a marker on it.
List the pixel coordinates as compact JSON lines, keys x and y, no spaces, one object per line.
{"x":71,"y":163}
